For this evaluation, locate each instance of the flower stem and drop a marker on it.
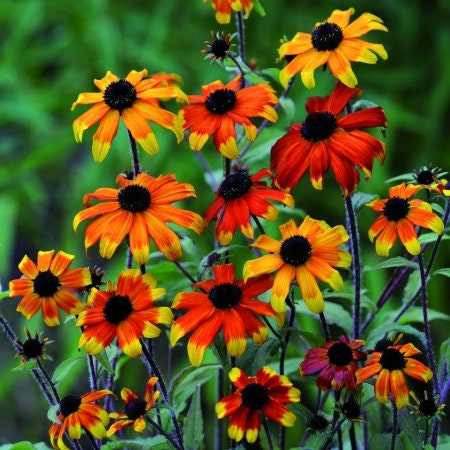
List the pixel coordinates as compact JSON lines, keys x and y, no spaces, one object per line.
{"x":394,"y":425}
{"x":162,"y":431}
{"x":135,"y":162}
{"x":325,"y":329}
{"x":268,"y":436}
{"x":48,"y":379}
{"x":241,"y":35}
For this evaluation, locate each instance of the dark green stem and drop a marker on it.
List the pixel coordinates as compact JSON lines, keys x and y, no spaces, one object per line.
{"x":394,"y":425}
{"x":325,"y":329}
{"x":162,"y":431}
{"x":267,"y":432}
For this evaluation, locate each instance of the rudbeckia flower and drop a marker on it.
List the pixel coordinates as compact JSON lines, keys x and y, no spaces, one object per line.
{"x":391,"y":364}
{"x":335,"y":363}
{"x":305,"y":253}
{"x":224,"y":303}
{"x":135,"y":99}
{"x":265,"y":393}
{"x":223,"y":106}
{"x":241,"y":196}
{"x":76,"y":414}
{"x":135,"y":408}
{"x":334,"y":43}
{"x":327,"y":138}
{"x":398,"y":219}
{"x":49,"y":285}
{"x":139,"y":210}
{"x":224,"y":8}
{"x":124,"y":311}
{"x":32,"y":348}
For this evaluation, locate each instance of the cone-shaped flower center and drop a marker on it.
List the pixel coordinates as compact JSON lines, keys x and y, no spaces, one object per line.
{"x":340,"y":354}
{"x":135,"y":408}
{"x":221,"y":101}
{"x":46,"y":284}
{"x":235,"y":185}
{"x":117,"y":309}
{"x":396,"y":208}
{"x":428,"y":408}
{"x":220,"y":48}
{"x":225,"y":295}
{"x":326,"y":36}
{"x":295,"y":250}
{"x":318,"y":126}
{"x":317,"y":422}
{"x":32,"y":348}
{"x":255,"y":396}
{"x":392,"y":359}
{"x":424,"y":177}
{"x":69,"y":405}
{"x":120,"y":95}
{"x":351,"y":409}
{"x":383,"y":344}
{"x":134,"y":198}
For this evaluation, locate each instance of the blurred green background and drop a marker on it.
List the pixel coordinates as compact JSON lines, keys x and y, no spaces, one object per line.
{"x":52,"y":50}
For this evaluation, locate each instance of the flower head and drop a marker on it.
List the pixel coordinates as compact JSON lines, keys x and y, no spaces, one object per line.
{"x":135,"y":99}
{"x":241,"y":196}
{"x":427,"y":407}
{"x":219,"y":47}
{"x":305,"y":253}
{"x":124,"y":311}
{"x":427,"y":175}
{"x":335,"y":363}
{"x":265,"y":393}
{"x":224,"y":303}
{"x":139,"y":210}
{"x":326,"y":139}
{"x":32,"y":348}
{"x":78,"y":413}
{"x":335,"y":43}
{"x":398,"y":219}
{"x":224,"y":8}
{"x":49,"y":285}
{"x":223,"y":106}
{"x":135,"y":408}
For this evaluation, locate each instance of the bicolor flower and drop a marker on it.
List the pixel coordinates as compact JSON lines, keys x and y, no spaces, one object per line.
{"x":135,"y":99}
{"x":266,"y":393}
{"x":305,"y":253}
{"x":334,"y":43}
{"x":329,"y":139}
{"x":224,"y":8}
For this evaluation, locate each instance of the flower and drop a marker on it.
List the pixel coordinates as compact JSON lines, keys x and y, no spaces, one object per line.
{"x":329,"y":139}
{"x":49,"y":285}
{"x":427,"y":175}
{"x":134,"y":98}
{"x":334,"y":43}
{"x":124,"y":311}
{"x":219,"y":48}
{"x":335,"y":362}
{"x":224,"y":8}
{"x":220,"y":107}
{"x":135,"y":408}
{"x":239,"y":197}
{"x":139,"y":209}
{"x":265,"y":393}
{"x":442,"y":187}
{"x":305,"y":253}
{"x":398,"y":219}
{"x":427,"y":407}
{"x":32,"y":348}
{"x":224,"y":303}
{"x":76,"y":413}
{"x":391,"y":363}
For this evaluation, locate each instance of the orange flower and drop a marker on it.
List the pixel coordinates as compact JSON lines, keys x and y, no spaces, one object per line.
{"x":224,"y":8}
{"x":334,"y":43}
{"x":220,"y":107}
{"x":49,"y":285}
{"x":139,"y":210}
{"x":398,"y":219}
{"x":134,"y":98}
{"x":125,"y":311}
{"x":305,"y":253}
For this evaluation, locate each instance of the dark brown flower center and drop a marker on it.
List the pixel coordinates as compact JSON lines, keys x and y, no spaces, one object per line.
{"x":220,"y":48}
{"x":396,"y":208}
{"x":295,"y":250}
{"x":326,"y":36}
{"x":134,"y":198}
{"x":119,"y":95}
{"x":235,"y":185}
{"x":255,"y":396}
{"x":225,"y":295}
{"x":221,"y":101}
{"x":46,"y":284}
{"x":392,"y":359}
{"x":135,"y":408}
{"x":318,"y":422}
{"x":32,"y":348}
{"x":318,"y":126}
{"x":69,"y":405}
{"x":340,"y":354}
{"x":424,"y":177}
{"x":428,"y":408}
{"x":117,"y":309}
{"x":351,"y":409}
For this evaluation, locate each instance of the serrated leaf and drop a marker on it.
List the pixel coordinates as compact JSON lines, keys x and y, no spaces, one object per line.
{"x":193,"y":433}
{"x":65,"y":367}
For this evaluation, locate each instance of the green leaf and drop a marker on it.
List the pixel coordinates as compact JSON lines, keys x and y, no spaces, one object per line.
{"x":412,"y":286}
{"x":28,"y":365}
{"x":387,"y":328}
{"x":155,"y":442}
{"x":288,"y":106}
{"x":410,"y":435}
{"x":396,"y":261}
{"x":103,"y":359}
{"x":258,"y":8}
{"x":193,"y":433}
{"x":25,"y":445}
{"x":360,"y":199}
{"x":257,"y":356}
{"x":445,"y":272}
{"x":415,"y":314}
{"x":63,"y":370}
{"x":52,"y":414}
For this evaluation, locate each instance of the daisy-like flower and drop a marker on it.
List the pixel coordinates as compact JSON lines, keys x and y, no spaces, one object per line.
{"x":335,"y":363}
{"x":224,"y":8}
{"x":219,"y":48}
{"x":139,"y":210}
{"x":220,"y":107}
{"x":335,"y":43}
{"x":32,"y":348}
{"x":135,"y":99}
{"x":327,"y":138}
{"x":265,"y":393}
{"x":305,"y":253}
{"x":78,"y":413}
{"x":427,"y":175}
{"x":135,"y":408}
{"x":124,"y":311}
{"x":398,"y":219}
{"x":391,"y":363}
{"x":427,"y":407}
{"x":224,"y":303}
{"x":241,"y":196}
{"x":49,"y":285}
